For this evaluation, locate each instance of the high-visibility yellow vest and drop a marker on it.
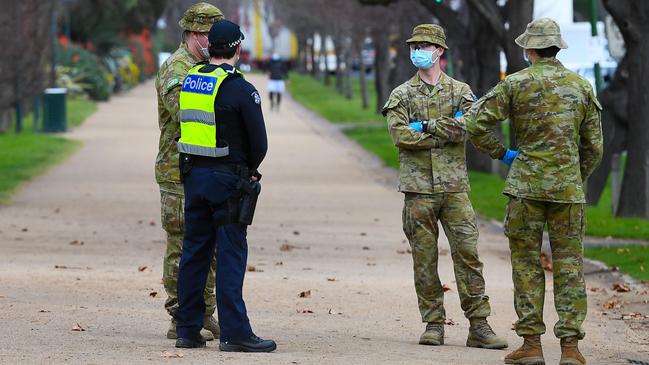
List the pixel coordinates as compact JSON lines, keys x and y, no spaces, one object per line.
{"x":197,"y":121}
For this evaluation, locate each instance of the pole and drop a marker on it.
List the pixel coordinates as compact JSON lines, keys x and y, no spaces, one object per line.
{"x":593,"y":31}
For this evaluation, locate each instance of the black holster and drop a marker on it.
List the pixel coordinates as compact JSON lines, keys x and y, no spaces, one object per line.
{"x":185,"y":165}
{"x":250,"y":191}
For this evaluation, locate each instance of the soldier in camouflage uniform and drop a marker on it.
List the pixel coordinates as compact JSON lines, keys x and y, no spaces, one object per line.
{"x":196,"y":23}
{"x":556,"y":120}
{"x":424,"y":119}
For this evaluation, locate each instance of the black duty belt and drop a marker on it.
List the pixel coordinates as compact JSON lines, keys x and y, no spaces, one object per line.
{"x":217,"y":164}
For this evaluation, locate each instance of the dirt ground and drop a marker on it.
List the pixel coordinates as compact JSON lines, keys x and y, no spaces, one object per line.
{"x":82,"y":247}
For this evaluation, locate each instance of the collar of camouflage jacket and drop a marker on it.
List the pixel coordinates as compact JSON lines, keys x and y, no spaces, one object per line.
{"x":417,"y":83}
{"x":183,"y":45}
{"x":550,"y":61}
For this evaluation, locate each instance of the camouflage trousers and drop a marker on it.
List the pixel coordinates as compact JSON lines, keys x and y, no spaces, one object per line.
{"x":420,"y":215}
{"x":524,"y":225}
{"x":173,"y":222}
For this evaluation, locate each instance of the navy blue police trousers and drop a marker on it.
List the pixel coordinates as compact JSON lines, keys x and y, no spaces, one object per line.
{"x":207,"y":191}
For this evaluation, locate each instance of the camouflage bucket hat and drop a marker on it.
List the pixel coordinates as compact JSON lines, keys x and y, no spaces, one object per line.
{"x":541,"y":33}
{"x":431,"y":33}
{"x":200,"y":17}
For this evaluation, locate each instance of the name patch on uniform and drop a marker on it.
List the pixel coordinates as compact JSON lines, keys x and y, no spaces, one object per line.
{"x":199,"y":84}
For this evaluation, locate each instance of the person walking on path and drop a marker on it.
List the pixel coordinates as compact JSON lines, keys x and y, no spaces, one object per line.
{"x":222,"y":143}
{"x":555,"y":117}
{"x":422,"y":116}
{"x":196,"y":22}
{"x":277,"y":73}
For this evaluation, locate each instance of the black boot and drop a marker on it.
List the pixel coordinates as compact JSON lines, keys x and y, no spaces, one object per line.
{"x":190,"y":343}
{"x":251,"y":344}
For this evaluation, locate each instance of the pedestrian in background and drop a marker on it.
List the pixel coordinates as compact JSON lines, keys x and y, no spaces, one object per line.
{"x":277,"y":74}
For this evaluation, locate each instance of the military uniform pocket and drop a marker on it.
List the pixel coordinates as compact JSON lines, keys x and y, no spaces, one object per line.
{"x":172,"y":212}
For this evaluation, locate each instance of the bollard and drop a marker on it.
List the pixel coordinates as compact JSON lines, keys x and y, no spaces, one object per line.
{"x":54,"y":110}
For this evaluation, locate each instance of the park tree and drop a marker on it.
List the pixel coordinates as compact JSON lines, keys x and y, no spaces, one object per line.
{"x":633,"y":76}
{"x":25,"y":28}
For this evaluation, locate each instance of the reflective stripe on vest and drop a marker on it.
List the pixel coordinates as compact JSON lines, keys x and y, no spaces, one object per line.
{"x":197,"y":121}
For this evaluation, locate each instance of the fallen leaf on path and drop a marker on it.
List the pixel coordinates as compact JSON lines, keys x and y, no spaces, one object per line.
{"x":403,"y":252}
{"x":445,"y":288}
{"x":305,"y":294}
{"x":633,"y":316}
{"x":546,"y":262}
{"x":307,"y":311}
{"x":24,"y":229}
{"x":331,"y":279}
{"x":331,"y":311}
{"x":254,"y":269}
{"x":443,"y":252}
{"x":43,"y":311}
{"x":296,"y":233}
{"x":366,"y":248}
{"x":142,"y":268}
{"x":612,"y":304}
{"x":140,"y":222}
{"x":513,"y":326}
{"x":363,"y":234}
{"x":77,"y":328}
{"x":153,"y":294}
{"x":449,"y":322}
{"x":371,"y":264}
{"x":286,"y":247}
{"x":594,"y":289}
{"x":76,"y":242}
{"x":169,"y":354}
{"x":307,"y":269}
{"x":57,"y":210}
{"x":621,"y":288}
{"x":279,"y":263}
{"x":152,"y":223}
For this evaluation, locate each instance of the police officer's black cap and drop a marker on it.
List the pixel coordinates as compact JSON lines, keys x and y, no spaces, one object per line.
{"x":225,"y":34}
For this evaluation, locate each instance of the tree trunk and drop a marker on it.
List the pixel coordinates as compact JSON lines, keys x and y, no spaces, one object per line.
{"x":633,"y":19}
{"x":365,"y":102}
{"x":338,"y":52}
{"x":615,"y":100}
{"x":349,"y":93}
{"x":381,"y":67}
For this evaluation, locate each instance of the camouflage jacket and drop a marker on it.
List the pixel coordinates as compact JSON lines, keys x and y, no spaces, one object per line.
{"x":170,"y":78}
{"x":556,"y":120}
{"x":434,"y":161}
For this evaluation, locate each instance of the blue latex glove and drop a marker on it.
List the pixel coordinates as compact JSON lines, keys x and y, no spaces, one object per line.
{"x":417,"y":125}
{"x":459,"y":114}
{"x":510,"y":155}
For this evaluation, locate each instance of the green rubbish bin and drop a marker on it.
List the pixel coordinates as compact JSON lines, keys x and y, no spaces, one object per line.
{"x":55,"y":117}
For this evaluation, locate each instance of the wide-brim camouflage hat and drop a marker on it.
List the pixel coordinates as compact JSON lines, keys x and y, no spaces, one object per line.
{"x":431,"y":33}
{"x":541,"y":33}
{"x":200,"y":17}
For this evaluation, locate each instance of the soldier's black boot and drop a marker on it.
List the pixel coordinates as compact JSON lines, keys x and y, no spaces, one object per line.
{"x":251,"y":344}
{"x":190,"y":343}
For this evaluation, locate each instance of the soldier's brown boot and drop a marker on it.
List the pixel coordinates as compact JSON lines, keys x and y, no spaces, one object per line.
{"x":482,"y":336}
{"x":570,"y":354}
{"x":211,"y":324}
{"x":433,"y":335}
{"x":171,"y":332}
{"x":530,"y":353}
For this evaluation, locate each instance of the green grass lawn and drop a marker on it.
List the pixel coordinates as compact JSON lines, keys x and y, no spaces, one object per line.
{"x":28,"y":154}
{"x":632,"y":260}
{"x":329,"y":104}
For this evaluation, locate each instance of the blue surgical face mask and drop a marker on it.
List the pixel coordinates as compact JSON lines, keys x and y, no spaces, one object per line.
{"x":423,"y":59}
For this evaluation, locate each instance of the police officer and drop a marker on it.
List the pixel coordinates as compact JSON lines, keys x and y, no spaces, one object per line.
{"x":556,"y":120}
{"x":196,"y":22}
{"x":424,"y":119}
{"x":223,"y":142}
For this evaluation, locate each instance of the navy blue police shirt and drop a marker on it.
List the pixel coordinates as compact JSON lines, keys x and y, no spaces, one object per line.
{"x":239,"y":120}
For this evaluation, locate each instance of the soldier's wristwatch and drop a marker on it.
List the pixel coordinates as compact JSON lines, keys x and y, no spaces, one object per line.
{"x":424,"y":125}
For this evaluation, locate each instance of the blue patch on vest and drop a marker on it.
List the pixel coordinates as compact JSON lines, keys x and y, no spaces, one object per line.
{"x":199,"y":84}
